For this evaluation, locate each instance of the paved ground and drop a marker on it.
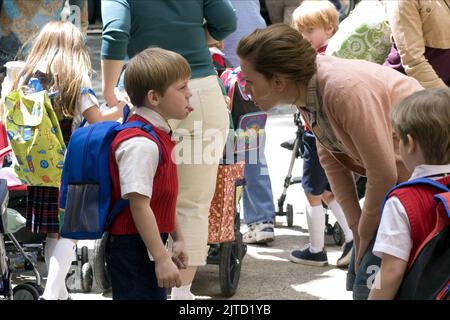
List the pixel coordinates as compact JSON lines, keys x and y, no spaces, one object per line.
{"x":266,"y":271}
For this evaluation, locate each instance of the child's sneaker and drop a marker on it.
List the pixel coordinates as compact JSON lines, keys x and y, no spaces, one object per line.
{"x":344,"y":260}
{"x":305,"y":256}
{"x":260,"y":232}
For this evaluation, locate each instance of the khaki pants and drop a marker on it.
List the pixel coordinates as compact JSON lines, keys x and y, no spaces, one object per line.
{"x":200,"y":142}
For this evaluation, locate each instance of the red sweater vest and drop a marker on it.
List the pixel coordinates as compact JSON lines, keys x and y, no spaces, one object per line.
{"x":165,"y":183}
{"x":420,"y":207}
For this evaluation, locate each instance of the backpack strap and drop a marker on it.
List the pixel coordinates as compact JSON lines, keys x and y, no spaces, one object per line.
{"x":147,"y":127}
{"x":121,"y":204}
{"x":444,"y":199}
{"x":418,"y":181}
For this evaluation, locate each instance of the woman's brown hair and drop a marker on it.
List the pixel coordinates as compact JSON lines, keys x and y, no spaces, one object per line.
{"x":279,"y":49}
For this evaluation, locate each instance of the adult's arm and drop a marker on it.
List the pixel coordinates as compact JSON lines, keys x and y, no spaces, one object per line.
{"x":406,"y":25}
{"x":220,"y":18}
{"x":364,"y":120}
{"x":116,"y":33}
{"x":343,"y":186}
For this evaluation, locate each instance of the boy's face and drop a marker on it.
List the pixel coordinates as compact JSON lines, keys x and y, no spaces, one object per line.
{"x":174,"y":104}
{"x":317,"y":36}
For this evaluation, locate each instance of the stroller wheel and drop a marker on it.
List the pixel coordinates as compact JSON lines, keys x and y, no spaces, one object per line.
{"x":87,"y":277}
{"x":289,"y":215}
{"x":84,"y":255}
{"x":101,"y":275}
{"x":40,"y":289}
{"x":25,"y":292}
{"x":338,"y":234}
{"x":231,"y":255}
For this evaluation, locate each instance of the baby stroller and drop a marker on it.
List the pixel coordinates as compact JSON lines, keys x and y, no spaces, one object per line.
{"x":14,"y":257}
{"x":224,"y":237}
{"x":21,"y":249}
{"x":297,"y":148}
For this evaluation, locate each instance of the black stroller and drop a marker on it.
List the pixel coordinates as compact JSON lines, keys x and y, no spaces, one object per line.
{"x":297,"y":148}
{"x":13,"y":256}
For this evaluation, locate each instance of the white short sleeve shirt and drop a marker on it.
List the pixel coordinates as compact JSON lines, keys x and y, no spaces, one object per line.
{"x":394,"y":232}
{"x":137,"y":158}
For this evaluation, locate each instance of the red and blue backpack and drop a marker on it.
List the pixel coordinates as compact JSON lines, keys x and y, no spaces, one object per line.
{"x":428,"y":276}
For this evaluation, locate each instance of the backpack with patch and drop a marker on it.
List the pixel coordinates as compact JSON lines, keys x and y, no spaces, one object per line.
{"x":35,"y":135}
{"x":241,"y":102}
{"x":85,"y":201}
{"x":429,"y":274}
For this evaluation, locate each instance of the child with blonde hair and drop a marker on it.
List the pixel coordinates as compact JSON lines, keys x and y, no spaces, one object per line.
{"x":317,"y":21}
{"x":422,"y":125}
{"x":60,"y":57}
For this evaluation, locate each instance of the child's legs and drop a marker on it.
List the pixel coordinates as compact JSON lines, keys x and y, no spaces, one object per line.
{"x":50,"y":244}
{"x":60,"y":261}
{"x":314,"y":180}
{"x":131,"y":271}
{"x":314,"y":183}
{"x":338,"y":213}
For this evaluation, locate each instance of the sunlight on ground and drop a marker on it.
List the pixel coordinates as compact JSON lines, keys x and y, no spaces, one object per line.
{"x":264,"y":253}
{"x":329,"y":287}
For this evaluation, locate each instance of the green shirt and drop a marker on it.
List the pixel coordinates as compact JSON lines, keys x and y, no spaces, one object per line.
{"x":130,"y":26}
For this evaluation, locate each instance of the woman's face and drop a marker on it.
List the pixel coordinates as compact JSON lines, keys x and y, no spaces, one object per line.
{"x":262,"y":90}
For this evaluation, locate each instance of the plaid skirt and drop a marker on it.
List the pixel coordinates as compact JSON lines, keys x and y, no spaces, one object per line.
{"x":42,"y":209}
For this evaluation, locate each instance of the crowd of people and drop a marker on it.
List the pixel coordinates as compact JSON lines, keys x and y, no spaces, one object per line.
{"x":385,"y":119}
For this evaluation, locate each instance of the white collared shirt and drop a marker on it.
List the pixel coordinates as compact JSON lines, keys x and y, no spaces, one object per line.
{"x":137,"y":158}
{"x":394,"y":232}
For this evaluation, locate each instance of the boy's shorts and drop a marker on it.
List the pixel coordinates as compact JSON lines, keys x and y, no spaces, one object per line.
{"x":314,"y":180}
{"x":130,"y":269}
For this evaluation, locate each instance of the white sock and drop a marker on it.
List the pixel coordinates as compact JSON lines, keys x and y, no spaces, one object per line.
{"x":315,"y":217}
{"x":60,"y":262}
{"x":182,"y":293}
{"x":340,"y":217}
{"x":50,"y":244}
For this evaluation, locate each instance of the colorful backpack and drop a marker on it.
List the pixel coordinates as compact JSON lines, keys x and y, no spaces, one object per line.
{"x":241,"y":102}
{"x":85,"y":199}
{"x":429,"y":274}
{"x":35,"y":135}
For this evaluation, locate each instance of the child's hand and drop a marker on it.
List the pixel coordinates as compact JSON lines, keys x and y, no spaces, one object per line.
{"x":167,"y":273}
{"x":219,"y":45}
{"x":179,"y":254}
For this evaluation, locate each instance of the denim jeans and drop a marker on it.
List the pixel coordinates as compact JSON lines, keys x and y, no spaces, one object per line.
{"x":257,"y":195}
{"x":360,"y":282}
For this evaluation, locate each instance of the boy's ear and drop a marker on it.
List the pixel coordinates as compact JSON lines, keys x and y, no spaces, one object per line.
{"x":329,"y":31}
{"x":412,"y":144}
{"x":153,"y":97}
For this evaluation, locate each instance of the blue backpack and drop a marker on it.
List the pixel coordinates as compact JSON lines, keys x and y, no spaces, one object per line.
{"x":85,"y":196}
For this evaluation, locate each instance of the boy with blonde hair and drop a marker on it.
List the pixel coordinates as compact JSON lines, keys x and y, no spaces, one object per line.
{"x":143,"y":171}
{"x":422,"y":124}
{"x":317,"y":21}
